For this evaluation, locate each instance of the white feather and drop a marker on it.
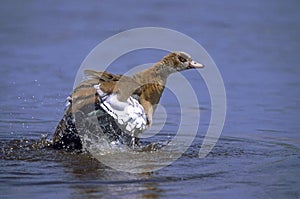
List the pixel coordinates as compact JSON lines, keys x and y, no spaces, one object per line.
{"x":68,"y":102}
{"x":130,"y":113}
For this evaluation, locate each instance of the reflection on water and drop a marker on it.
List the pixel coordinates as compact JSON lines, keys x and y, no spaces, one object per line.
{"x":255,"y":46}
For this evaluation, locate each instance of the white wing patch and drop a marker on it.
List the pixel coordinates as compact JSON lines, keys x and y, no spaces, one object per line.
{"x":68,"y":102}
{"x":129,"y":114}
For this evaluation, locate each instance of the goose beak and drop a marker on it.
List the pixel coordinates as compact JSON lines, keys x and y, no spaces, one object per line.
{"x":193,"y":64}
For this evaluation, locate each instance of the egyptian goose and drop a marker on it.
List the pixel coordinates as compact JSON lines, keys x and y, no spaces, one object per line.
{"x":124,"y":105}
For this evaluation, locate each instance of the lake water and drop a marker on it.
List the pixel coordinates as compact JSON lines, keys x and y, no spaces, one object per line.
{"x":256,"y":46}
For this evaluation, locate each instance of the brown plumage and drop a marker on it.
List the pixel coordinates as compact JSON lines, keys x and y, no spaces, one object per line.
{"x":147,"y":86}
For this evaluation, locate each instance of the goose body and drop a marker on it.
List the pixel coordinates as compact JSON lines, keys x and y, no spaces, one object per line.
{"x":123,"y":105}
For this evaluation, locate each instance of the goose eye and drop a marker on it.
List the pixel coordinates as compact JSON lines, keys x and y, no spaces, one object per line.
{"x":182,"y":59}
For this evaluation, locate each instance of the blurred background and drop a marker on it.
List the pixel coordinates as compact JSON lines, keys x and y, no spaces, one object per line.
{"x":255,"y":45}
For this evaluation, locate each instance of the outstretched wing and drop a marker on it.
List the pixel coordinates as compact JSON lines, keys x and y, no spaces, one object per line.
{"x":123,"y":86}
{"x":115,"y":97}
{"x":114,"y":94}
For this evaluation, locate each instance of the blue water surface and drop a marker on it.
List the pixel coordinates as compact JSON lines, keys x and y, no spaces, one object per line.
{"x":256,"y":47}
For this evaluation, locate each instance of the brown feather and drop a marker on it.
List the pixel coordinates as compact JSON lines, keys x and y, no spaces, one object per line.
{"x":148,"y":84}
{"x":123,"y":85}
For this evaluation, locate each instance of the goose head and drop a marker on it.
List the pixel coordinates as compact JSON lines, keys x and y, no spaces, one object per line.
{"x":179,"y":61}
